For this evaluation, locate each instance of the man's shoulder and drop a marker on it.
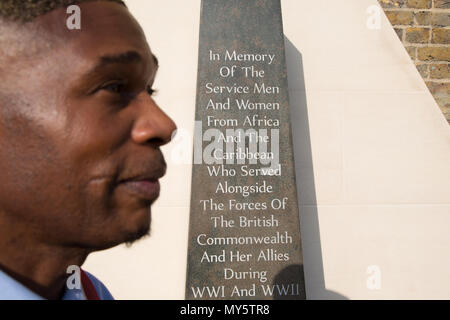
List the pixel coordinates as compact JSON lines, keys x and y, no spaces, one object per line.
{"x":102,"y":292}
{"x":86,"y":288}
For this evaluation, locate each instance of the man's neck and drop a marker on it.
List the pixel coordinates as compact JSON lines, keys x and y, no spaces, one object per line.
{"x":41,"y":268}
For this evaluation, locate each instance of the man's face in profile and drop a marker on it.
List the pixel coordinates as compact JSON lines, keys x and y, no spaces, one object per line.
{"x":80,"y":132}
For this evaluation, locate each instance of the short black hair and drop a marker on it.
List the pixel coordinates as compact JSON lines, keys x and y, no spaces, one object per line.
{"x":27,"y":10}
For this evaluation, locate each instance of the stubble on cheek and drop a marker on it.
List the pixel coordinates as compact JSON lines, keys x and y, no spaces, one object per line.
{"x":34,"y":193}
{"x":64,"y":189}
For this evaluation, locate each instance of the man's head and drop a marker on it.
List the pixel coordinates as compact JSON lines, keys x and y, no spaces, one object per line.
{"x":79,"y":130}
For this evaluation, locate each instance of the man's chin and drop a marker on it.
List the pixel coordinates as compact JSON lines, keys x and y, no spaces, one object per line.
{"x":139,"y":228}
{"x":140,"y":234}
{"x":127,"y":229}
{"x":127,"y":238}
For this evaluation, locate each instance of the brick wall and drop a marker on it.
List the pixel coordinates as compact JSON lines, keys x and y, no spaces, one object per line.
{"x":424,"y":28}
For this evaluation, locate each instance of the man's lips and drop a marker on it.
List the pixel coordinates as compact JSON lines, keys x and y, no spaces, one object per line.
{"x":141,"y":179}
{"x":147,"y":189}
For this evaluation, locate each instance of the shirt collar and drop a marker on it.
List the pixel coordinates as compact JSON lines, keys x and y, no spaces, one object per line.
{"x":11,"y":289}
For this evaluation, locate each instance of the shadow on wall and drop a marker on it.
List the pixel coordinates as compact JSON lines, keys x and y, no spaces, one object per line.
{"x":309,"y":220}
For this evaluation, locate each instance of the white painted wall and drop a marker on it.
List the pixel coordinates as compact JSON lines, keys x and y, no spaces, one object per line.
{"x":372,"y":159}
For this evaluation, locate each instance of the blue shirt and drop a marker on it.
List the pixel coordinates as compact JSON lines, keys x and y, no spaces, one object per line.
{"x":11,"y":289}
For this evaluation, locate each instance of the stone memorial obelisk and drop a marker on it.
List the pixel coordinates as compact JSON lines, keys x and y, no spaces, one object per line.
{"x":244,"y":236}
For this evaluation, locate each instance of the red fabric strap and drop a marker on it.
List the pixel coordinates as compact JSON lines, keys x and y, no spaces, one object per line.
{"x":88,"y":287}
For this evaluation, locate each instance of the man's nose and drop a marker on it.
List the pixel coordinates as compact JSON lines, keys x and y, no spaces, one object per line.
{"x":152,"y":124}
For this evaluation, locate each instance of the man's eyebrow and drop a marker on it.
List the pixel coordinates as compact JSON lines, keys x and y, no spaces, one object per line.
{"x":126,"y":57}
{"x":111,"y":60}
{"x":120,"y":58}
{"x":123,"y":58}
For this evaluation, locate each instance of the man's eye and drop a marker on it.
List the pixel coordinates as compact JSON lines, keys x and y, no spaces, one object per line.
{"x":115,"y":87}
